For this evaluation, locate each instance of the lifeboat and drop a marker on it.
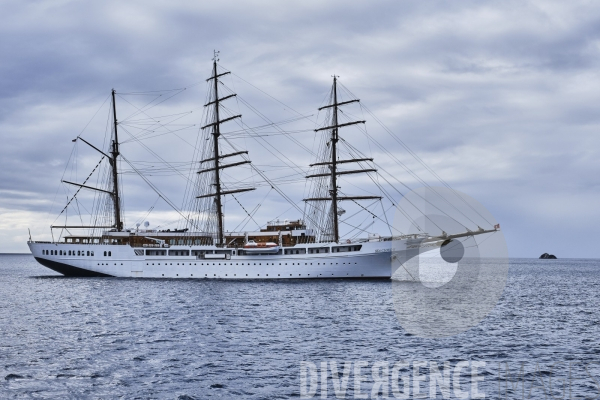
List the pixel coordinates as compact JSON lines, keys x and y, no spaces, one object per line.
{"x":268,"y":247}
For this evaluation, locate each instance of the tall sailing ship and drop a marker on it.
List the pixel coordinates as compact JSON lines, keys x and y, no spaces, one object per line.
{"x":310,"y":247}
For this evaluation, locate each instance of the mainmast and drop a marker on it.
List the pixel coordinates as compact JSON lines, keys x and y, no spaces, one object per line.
{"x":333,"y":164}
{"x":115,"y":174}
{"x":216,"y":133}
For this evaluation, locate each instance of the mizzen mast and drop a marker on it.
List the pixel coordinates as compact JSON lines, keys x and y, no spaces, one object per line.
{"x":115,"y":173}
{"x":114,"y":193}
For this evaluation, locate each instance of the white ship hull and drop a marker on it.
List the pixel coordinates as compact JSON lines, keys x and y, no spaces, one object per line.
{"x":371,"y":261}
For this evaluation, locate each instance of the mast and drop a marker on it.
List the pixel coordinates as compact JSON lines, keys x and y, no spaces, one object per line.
{"x":334,"y":187}
{"x":115,"y":174}
{"x":216,"y":133}
{"x":333,"y":164}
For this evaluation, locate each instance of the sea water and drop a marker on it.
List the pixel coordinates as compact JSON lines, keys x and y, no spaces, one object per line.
{"x":180,"y":339}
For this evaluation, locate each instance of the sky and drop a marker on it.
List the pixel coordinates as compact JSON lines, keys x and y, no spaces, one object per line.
{"x":499,"y":98}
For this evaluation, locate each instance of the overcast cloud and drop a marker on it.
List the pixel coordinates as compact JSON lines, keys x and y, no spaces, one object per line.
{"x":500,"y":98}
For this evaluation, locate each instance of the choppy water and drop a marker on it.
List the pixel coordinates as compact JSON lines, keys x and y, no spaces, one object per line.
{"x":109,"y":338}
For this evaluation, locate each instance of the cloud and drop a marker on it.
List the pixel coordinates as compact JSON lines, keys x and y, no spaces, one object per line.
{"x":499,"y":98}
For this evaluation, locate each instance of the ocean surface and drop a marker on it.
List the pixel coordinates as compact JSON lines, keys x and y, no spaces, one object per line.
{"x":195,"y":339}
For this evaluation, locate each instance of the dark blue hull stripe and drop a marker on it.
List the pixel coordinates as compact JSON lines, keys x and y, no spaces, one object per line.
{"x":68,"y":270}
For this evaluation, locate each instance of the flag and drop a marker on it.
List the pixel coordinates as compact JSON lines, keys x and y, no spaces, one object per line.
{"x":497,"y":226}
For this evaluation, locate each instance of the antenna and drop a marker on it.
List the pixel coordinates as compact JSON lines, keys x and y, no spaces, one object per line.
{"x":216,"y":55}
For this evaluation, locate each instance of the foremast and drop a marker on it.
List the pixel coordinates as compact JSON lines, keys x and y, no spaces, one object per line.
{"x":334,"y":162}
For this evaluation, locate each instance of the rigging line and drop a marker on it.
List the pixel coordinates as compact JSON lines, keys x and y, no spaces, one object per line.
{"x":273,"y":186}
{"x":84,"y":182}
{"x":273,"y":153}
{"x":158,"y":192}
{"x":268,"y":120}
{"x":139,"y":220}
{"x":414,"y":175}
{"x":245,"y":219}
{"x":252,"y":213}
{"x":137,"y":110}
{"x":386,"y":219}
{"x":59,"y":186}
{"x":144,"y":109}
{"x":375,"y":216}
{"x":146,"y":136}
{"x":359,"y":225}
{"x":355,"y":227}
{"x":429,"y":169}
{"x":157,"y":156}
{"x":143,"y":120}
{"x":158,"y":122}
{"x":246,"y":211}
{"x":148,"y":92}
{"x":397,"y":139}
{"x":265,"y":93}
{"x":96,"y":113}
{"x":265,"y":118}
{"x":403,"y":184}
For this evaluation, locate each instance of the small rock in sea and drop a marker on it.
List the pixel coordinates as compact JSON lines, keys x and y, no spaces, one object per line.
{"x":547,"y":256}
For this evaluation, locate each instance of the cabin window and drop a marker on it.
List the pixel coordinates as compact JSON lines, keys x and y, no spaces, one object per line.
{"x":104,"y":254}
{"x":109,"y":254}
{"x":92,"y":254}
{"x":78,"y":252}
{"x":88,"y":253}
